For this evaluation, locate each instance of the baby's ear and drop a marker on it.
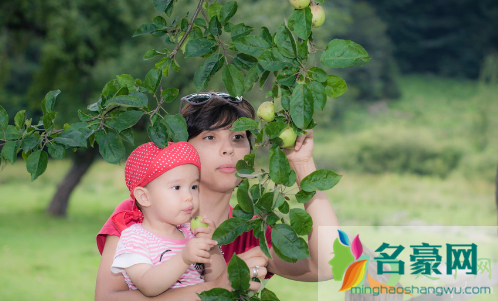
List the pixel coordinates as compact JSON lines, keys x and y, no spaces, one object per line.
{"x":142,"y":196}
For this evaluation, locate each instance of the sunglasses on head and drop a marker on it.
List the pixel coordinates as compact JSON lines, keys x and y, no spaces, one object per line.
{"x":196,"y":99}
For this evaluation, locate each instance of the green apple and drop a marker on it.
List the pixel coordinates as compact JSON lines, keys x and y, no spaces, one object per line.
{"x":299,"y":4}
{"x":288,"y":136}
{"x":196,"y":222}
{"x":266,"y":111}
{"x":318,"y":15}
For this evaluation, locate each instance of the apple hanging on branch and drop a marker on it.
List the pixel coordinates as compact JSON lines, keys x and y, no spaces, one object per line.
{"x":299,"y":4}
{"x":266,"y":111}
{"x":318,"y":15}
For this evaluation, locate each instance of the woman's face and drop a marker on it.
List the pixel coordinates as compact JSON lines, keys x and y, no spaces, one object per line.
{"x":219,"y":151}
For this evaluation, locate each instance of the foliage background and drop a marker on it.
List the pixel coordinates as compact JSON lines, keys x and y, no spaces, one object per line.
{"x":414,"y":137}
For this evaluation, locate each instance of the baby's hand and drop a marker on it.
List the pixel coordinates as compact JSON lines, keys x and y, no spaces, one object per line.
{"x":205,"y":232}
{"x":197,"y":250}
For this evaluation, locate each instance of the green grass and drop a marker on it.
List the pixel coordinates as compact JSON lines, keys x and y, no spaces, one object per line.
{"x":47,"y":258}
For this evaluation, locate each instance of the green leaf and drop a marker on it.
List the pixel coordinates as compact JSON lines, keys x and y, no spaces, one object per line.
{"x":151,"y":54}
{"x":301,"y":106}
{"x":267,"y":295}
{"x":127,"y":135}
{"x":49,"y":101}
{"x":204,"y":73}
{"x":263,"y":243}
{"x":243,"y":168}
{"x":287,"y":77}
{"x":153,"y":79}
{"x":304,"y":196}
{"x":279,"y":166}
{"x":158,"y":134}
{"x":9,"y":151}
{"x":285,"y":42}
{"x":160,"y":22}
{"x":336,"y":86}
{"x":285,"y":239}
{"x":126,"y":80}
{"x":37,"y":163}
{"x":264,"y":33}
{"x":163,"y":64}
{"x":243,"y":198}
{"x":200,"y":47}
{"x":227,"y":11}
{"x":4,"y":118}
{"x":10,"y":132}
{"x":244,"y":124}
{"x":240,"y":30}
{"x":131,"y":101}
{"x":255,"y":192}
{"x":284,"y":208}
{"x":111,"y":148}
{"x":56,"y":150}
{"x":318,"y":74}
{"x":265,"y":203}
{"x":176,"y":127}
{"x":29,"y":142}
{"x":245,"y":61}
{"x":170,"y":94}
{"x":300,"y":22}
{"x":161,"y":5}
{"x":318,"y":93}
{"x":251,"y":77}
{"x":72,"y":139}
{"x":321,"y":179}
{"x":123,"y":120}
{"x":214,"y":9}
{"x":200,"y":22}
{"x":263,"y":78}
{"x":251,"y":45}
{"x":273,"y":129}
{"x":229,"y":230}
{"x":238,"y":212}
{"x":214,"y":26}
{"x":233,"y":79}
{"x":19,"y":119}
{"x":292,"y":179}
{"x":238,"y":273}
{"x":344,"y":53}
{"x":273,"y":60}
{"x":301,"y":221}
{"x":48,"y":121}
{"x":217,"y":294}
{"x":302,"y":50}
{"x":145,"y":29}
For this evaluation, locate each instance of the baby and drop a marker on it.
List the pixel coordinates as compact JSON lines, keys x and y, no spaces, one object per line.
{"x":161,"y":252}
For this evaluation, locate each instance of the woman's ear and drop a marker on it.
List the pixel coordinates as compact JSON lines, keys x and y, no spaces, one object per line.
{"x":142,"y":196}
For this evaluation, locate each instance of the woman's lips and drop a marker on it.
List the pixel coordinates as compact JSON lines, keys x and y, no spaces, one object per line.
{"x":227,"y":168}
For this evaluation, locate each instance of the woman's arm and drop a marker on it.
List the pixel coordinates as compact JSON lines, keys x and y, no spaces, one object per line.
{"x":320,"y":240}
{"x":216,"y":267}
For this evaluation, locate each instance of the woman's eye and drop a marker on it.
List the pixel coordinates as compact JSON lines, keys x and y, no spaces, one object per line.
{"x":239,"y":137}
{"x":209,"y":137}
{"x":176,"y":187}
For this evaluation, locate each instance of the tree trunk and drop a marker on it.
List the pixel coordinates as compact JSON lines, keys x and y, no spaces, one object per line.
{"x":81,"y":163}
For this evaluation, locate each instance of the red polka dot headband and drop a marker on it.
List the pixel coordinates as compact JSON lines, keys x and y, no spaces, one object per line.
{"x":148,"y":162}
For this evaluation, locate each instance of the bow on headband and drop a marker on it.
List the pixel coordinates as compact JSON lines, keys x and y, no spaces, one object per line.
{"x":126,"y":218}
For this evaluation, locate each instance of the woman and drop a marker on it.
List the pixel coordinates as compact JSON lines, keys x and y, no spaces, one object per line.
{"x":209,"y":119}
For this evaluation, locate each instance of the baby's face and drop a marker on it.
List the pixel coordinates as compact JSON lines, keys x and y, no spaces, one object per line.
{"x":174,"y":195}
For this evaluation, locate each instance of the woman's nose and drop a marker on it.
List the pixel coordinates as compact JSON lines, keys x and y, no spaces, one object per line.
{"x":227,"y":148}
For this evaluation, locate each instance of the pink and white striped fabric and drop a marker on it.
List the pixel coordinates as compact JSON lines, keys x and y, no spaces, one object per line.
{"x":137,"y":245}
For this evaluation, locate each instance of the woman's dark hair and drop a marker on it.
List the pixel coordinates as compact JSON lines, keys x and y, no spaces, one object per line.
{"x":217,"y":113}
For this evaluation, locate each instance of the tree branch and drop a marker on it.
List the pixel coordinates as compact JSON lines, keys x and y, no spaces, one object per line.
{"x":189,"y":29}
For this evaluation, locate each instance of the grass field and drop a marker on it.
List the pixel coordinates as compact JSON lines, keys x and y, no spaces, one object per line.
{"x":46,"y":258}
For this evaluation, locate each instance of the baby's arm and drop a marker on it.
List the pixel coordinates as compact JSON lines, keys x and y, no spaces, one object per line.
{"x":217,"y":265}
{"x":153,"y":280}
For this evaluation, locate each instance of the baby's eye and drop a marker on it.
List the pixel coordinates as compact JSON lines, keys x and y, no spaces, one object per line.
{"x":194,"y":187}
{"x":176,"y":187}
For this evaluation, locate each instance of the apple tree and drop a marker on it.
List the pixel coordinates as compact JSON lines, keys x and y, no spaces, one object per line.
{"x":245,"y":57}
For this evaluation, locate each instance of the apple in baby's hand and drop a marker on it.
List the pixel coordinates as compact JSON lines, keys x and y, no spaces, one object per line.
{"x":196,"y":222}
{"x":299,"y":4}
